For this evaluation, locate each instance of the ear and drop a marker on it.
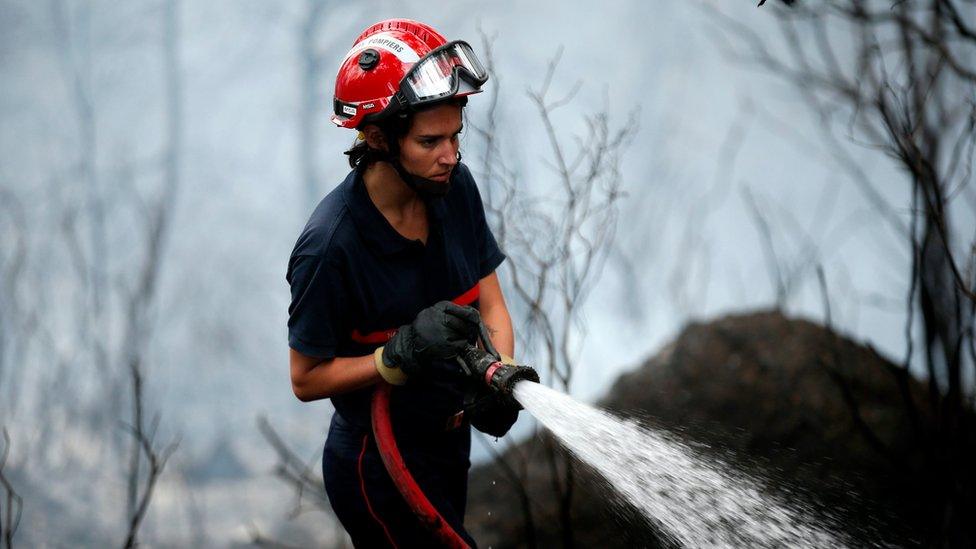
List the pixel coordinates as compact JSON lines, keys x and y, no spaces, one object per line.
{"x":374,"y":137}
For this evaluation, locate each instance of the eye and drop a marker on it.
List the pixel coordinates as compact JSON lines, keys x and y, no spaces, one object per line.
{"x":428,"y":143}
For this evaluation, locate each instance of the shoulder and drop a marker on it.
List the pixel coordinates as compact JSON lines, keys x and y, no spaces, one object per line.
{"x":328,"y":227}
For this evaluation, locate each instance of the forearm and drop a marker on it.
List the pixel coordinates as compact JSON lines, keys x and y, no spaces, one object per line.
{"x":496,"y":416}
{"x":499,"y":325}
{"x":331,"y":377}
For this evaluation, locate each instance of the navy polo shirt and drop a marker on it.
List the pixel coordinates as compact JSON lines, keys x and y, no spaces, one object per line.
{"x":355,"y":280}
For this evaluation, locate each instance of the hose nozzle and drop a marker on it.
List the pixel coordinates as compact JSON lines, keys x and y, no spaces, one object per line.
{"x":486,"y":365}
{"x":493,"y":372}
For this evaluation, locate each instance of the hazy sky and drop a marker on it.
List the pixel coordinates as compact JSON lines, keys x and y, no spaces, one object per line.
{"x":687,"y":248}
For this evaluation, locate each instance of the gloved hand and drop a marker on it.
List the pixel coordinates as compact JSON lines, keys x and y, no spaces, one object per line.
{"x":492,"y":413}
{"x":493,"y":417}
{"x":439,"y":332}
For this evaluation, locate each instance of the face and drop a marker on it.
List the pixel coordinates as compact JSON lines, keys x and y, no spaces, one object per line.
{"x":430,"y":149}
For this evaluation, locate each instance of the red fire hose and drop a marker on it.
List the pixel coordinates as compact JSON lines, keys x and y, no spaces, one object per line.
{"x":386,"y":443}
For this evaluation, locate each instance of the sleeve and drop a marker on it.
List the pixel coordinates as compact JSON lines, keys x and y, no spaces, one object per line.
{"x":315,"y":315}
{"x":489,"y":254}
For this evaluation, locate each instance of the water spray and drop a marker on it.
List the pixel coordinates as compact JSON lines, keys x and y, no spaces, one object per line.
{"x":694,"y":500}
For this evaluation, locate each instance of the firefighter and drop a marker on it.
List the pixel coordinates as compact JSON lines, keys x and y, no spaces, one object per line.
{"x":390,"y":279}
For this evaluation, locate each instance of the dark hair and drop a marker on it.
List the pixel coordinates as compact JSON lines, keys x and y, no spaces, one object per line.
{"x":394,"y":128}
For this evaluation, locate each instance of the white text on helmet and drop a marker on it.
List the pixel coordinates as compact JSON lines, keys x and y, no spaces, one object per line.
{"x":384,"y":41}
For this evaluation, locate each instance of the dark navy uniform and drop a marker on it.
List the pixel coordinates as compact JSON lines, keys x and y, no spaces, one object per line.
{"x":354,"y":280}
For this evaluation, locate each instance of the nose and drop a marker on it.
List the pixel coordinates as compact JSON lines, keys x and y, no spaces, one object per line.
{"x":448,"y":153}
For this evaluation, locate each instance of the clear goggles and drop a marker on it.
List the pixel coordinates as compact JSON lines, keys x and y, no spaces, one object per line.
{"x":442,"y":73}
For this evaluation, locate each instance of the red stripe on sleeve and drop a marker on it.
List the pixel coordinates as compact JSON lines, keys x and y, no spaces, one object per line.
{"x":379,"y":337}
{"x":469,"y":297}
{"x":382,"y":336}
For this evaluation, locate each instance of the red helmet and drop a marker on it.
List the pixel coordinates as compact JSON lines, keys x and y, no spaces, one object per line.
{"x":397,"y":65}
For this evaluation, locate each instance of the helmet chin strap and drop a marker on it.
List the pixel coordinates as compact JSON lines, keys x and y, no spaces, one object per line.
{"x":426,"y":188}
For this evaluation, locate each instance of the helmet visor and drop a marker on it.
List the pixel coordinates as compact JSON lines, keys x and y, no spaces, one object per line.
{"x":438,"y":73}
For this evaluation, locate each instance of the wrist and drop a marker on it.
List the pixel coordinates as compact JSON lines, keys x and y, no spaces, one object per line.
{"x":392,"y":373}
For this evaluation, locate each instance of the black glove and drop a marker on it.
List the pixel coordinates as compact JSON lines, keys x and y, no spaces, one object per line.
{"x":439,"y":332}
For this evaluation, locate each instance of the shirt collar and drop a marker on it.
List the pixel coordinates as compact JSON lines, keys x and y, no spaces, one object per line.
{"x":371,"y":224}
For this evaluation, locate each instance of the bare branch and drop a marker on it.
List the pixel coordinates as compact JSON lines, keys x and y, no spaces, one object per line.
{"x":10,"y":512}
{"x":295,"y":471}
{"x":157,"y":462}
{"x":776,"y":276}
